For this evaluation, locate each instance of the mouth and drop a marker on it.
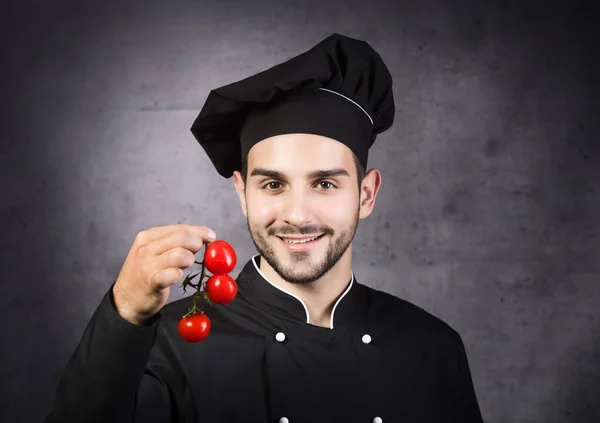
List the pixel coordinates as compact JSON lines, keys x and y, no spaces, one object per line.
{"x":300,"y":244}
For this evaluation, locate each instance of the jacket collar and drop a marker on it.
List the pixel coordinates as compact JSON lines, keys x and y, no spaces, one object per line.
{"x":259,"y":290}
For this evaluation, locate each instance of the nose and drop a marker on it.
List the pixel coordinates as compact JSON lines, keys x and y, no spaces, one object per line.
{"x":296,"y":208}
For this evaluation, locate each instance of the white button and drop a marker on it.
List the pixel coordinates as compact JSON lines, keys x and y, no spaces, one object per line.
{"x":377,"y":420}
{"x":283,"y":419}
{"x":281,"y":337}
{"x":367,"y":340}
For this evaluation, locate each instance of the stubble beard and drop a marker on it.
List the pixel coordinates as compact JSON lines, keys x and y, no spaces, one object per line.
{"x":335,"y":250}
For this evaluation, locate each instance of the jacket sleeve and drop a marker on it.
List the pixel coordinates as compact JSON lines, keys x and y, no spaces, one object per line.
{"x":107,"y":377}
{"x":467,"y":407}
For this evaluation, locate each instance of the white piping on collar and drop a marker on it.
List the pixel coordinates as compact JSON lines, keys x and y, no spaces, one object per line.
{"x":342,"y":296}
{"x":298,"y":298}
{"x":349,"y":99}
{"x":282,"y":290}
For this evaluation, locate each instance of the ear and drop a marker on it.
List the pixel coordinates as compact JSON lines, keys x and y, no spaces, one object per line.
{"x":368,"y":192}
{"x":241,"y":190}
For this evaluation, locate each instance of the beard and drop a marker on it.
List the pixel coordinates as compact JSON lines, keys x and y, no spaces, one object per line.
{"x":301,"y":270}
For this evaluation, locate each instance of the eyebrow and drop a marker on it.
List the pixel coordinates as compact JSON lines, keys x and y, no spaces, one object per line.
{"x":315,"y":174}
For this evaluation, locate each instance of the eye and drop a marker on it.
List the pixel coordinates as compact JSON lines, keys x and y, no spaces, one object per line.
{"x":332,"y":186}
{"x":270,"y":184}
{"x":274,"y":186}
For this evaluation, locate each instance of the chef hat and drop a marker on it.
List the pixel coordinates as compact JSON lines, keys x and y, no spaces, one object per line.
{"x":339,"y":89}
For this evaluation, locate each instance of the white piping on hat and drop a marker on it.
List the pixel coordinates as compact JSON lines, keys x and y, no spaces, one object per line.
{"x":302,"y":302}
{"x":349,"y":99}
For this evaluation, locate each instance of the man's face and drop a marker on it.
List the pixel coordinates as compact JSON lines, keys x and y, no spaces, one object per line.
{"x":282,"y":200}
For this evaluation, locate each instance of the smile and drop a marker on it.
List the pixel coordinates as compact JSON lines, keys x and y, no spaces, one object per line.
{"x":294,"y":244}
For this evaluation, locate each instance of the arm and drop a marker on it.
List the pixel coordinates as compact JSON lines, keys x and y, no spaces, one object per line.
{"x":106,"y":378}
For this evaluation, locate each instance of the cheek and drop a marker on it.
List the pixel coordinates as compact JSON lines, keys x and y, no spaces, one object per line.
{"x":338,"y":210}
{"x":341,"y":209}
{"x":334,"y":210}
{"x":261,"y":211}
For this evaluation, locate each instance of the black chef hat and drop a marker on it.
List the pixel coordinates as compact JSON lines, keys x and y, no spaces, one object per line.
{"x":340,"y":89}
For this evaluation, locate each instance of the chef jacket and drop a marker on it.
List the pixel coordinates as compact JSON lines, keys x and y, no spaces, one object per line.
{"x":383,"y":360}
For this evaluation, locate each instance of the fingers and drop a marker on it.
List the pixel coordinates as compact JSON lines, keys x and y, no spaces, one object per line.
{"x":156,"y":241}
{"x":166,"y":278}
{"x":178,"y":257}
{"x":151,"y":234}
{"x":155,"y":262}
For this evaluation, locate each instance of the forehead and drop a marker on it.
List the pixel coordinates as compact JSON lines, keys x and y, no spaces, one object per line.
{"x":299,"y":151}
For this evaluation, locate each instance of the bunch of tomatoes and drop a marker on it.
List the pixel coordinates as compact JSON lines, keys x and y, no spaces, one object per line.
{"x":219,"y":288}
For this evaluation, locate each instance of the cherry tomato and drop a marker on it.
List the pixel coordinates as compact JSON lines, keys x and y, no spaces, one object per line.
{"x":219,"y":257}
{"x":194,"y":328}
{"x":221,"y":289}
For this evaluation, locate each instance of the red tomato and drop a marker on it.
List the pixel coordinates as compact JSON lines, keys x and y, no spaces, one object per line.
{"x":221,"y":289}
{"x":219,"y":257}
{"x":194,"y":328}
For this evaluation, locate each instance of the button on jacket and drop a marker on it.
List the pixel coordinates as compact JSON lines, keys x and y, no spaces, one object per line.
{"x":382,"y":360}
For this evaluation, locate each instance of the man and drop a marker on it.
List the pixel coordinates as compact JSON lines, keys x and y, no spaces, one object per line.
{"x":303,"y":341}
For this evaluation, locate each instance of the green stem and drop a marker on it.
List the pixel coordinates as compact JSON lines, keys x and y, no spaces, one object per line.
{"x":194,"y":309}
{"x":202,"y":274}
{"x":199,"y":294}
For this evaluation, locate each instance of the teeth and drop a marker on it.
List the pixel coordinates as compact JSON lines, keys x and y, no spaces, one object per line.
{"x":298,"y":241}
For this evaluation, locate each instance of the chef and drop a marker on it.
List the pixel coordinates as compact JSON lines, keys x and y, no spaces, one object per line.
{"x":304,"y":341}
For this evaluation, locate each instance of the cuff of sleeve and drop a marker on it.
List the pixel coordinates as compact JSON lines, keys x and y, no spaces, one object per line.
{"x":109,"y":301}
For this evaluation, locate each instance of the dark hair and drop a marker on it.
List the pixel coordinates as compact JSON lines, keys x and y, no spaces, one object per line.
{"x":360,"y":170}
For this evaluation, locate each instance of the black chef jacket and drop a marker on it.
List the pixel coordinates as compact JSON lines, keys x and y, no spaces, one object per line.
{"x":383,"y":360}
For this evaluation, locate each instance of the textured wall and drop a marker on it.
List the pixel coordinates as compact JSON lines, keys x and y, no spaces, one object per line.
{"x":488,"y":216}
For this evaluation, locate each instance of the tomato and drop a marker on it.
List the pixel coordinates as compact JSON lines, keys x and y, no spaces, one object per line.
{"x":221,"y":289}
{"x":194,"y":328}
{"x":219,"y":257}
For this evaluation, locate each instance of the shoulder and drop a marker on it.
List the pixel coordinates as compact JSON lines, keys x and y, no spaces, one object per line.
{"x":404,"y":317}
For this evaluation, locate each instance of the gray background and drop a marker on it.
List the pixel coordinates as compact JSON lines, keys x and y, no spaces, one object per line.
{"x":487,"y":217}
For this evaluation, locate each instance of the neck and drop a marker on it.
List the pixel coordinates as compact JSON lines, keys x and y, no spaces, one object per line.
{"x":321,"y":295}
